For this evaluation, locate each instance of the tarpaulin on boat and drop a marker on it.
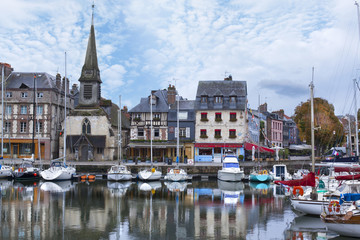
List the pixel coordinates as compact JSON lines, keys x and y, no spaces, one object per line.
{"x":348,"y":177}
{"x":308,"y":180}
{"x":347,"y":197}
{"x":347,"y":169}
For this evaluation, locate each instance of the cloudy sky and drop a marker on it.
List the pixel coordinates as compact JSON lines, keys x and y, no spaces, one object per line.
{"x":146,"y":45}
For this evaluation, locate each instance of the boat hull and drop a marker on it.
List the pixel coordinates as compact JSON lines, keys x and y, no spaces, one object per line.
{"x":119,"y":176}
{"x":260,"y":178}
{"x":343,"y":229}
{"x":148,"y":175}
{"x":58,"y":173}
{"x":5,"y":172}
{"x":176,"y":175}
{"x":230,"y":176}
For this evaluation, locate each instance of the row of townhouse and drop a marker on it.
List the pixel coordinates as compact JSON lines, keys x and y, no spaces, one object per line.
{"x":215,"y":123}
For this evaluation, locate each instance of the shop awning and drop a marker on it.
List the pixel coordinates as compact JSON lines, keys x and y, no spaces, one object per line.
{"x":248,"y":147}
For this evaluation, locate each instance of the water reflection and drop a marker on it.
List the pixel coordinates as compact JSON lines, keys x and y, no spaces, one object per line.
{"x":150,"y":210}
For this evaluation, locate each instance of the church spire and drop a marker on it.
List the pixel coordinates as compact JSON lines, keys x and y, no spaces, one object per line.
{"x":90,"y":89}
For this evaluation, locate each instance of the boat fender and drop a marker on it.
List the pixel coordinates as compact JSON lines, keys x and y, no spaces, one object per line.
{"x":334,"y":206}
{"x":153,"y":170}
{"x":296,"y":189}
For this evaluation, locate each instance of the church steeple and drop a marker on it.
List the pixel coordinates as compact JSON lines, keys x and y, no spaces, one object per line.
{"x":90,"y":89}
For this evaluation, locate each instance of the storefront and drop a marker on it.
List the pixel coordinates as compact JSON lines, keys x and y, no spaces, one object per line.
{"x":215,"y":152}
{"x":22,"y":148}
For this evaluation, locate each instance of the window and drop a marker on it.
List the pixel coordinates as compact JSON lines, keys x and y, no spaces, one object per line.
{"x":25,"y":148}
{"x":24,"y":94}
{"x":183,"y":115}
{"x":140,"y":132}
{"x":232,"y":133}
{"x":232,"y":99}
{"x":22,"y":127}
{"x":7,"y":127}
{"x":182,"y":132}
{"x":203,"y":99}
{"x":156,"y":117}
{"x":218,"y":117}
{"x":39,"y":127}
{"x":8,"y":110}
{"x":8,"y":94}
{"x":204,"y":116}
{"x":232,"y":117}
{"x":23,"y":109}
{"x":203,"y":133}
{"x":137,"y":117}
{"x":218,"y":99}
{"x":100,"y":150}
{"x":217,"y":133}
{"x":39,"y":109}
{"x":156,"y":132}
{"x":87,"y":91}
{"x":86,"y":127}
{"x":40,"y":95}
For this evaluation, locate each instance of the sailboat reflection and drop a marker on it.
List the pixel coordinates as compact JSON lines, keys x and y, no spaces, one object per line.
{"x":5,"y":184}
{"x":308,"y":227}
{"x":231,"y":192}
{"x":149,"y":186}
{"x":176,"y":186}
{"x":118,"y":188}
{"x":60,"y":186}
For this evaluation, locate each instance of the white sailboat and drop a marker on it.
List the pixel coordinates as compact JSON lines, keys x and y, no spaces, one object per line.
{"x":177,"y":174}
{"x":58,"y":169}
{"x":150,"y":174}
{"x":5,"y":171}
{"x":119,"y":172}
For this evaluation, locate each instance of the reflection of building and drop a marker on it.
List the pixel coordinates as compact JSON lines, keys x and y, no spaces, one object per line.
{"x":221,"y":119}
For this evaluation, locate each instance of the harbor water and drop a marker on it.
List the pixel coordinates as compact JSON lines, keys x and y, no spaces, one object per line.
{"x":102,"y":209}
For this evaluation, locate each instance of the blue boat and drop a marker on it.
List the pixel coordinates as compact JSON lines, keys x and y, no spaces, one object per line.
{"x":260,"y":176}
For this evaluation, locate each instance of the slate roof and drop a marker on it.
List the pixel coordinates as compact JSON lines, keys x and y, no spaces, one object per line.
{"x":160,"y":106}
{"x":43,"y":80}
{"x":224,"y":88}
{"x":184,"y":105}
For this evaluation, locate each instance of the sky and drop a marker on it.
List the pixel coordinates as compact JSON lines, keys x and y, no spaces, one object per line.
{"x":145,"y":45}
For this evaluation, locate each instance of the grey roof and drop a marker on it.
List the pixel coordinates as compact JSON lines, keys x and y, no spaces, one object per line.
{"x":25,"y":79}
{"x":222,"y":88}
{"x":184,"y":105}
{"x":160,"y":106}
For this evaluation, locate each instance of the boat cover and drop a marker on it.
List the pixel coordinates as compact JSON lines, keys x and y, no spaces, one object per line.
{"x":308,"y":180}
{"x":348,"y":177}
{"x":347,"y":197}
{"x":347,"y":169}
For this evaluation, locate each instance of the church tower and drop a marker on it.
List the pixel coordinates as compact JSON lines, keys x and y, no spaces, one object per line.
{"x":90,"y":82}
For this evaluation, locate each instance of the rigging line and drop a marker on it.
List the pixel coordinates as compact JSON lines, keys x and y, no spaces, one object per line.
{"x":346,"y":98}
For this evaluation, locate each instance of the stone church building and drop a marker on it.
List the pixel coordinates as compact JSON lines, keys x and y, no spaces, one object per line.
{"x":92,"y":126}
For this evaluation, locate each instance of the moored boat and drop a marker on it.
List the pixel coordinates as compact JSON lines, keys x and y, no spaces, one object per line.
{"x":230,"y":170}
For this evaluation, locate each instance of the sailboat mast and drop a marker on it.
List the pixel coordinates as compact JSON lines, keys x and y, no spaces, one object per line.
{"x":151,"y":129}
{"x":356,"y":117}
{"x":65,"y":89}
{"x":2,"y":111}
{"x":312,"y":122}
{"x":120,"y":129}
{"x":178,"y":130}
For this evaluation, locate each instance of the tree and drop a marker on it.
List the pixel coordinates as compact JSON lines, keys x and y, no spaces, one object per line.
{"x":329,"y":130}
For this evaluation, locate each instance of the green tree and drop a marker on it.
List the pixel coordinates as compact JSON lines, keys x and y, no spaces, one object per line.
{"x":329,"y":130}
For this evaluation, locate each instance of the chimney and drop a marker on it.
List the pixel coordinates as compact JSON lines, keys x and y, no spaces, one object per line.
{"x":125,"y":112}
{"x":229,"y":78}
{"x":74,"y":88}
{"x":58,"y":81}
{"x":263,"y":107}
{"x":171,"y":94}
{"x":7,"y":69}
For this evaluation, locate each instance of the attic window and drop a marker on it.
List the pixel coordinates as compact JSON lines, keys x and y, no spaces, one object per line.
{"x":87,"y":91}
{"x":218,"y":99}
{"x":232,"y":99}
{"x":24,"y":86}
{"x":203,"y":99}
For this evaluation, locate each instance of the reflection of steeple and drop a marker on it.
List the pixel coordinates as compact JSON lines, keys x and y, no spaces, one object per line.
{"x":90,"y":89}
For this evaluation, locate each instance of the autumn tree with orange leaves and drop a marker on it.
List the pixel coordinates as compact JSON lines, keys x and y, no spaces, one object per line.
{"x":329,"y":131}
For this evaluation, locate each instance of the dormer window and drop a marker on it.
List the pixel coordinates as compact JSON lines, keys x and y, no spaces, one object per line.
{"x":203,"y":99}
{"x":232,"y":99}
{"x":218,"y":99}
